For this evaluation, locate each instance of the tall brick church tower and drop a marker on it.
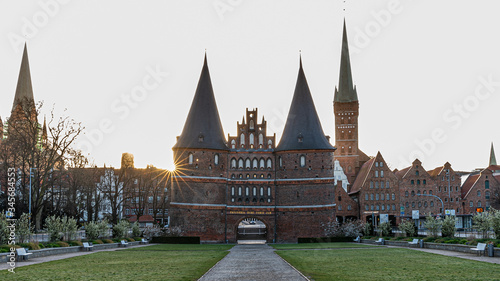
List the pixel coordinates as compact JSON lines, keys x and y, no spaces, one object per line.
{"x":346,"y":111}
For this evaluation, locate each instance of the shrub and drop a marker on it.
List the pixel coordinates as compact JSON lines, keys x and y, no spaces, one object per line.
{"x":367,"y":229}
{"x":137,"y":238}
{"x":33,"y":246}
{"x":4,"y":231}
{"x":136,"y":231}
{"x":130,"y":240}
{"x":107,"y":241}
{"x":155,"y":231}
{"x":482,"y":222}
{"x":62,"y":244}
{"x":448,"y":227}
{"x":385,"y":229}
{"x":352,"y":228}
{"x":121,"y":229}
{"x":53,"y":225}
{"x":408,"y":228}
{"x":23,"y":229}
{"x":97,"y":241}
{"x":92,"y":230}
{"x":495,"y":222}
{"x":69,"y":228}
{"x":75,"y":243}
{"x":103,"y":228}
{"x":432,"y":224}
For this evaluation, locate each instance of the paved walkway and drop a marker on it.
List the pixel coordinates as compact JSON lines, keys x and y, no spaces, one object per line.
{"x":252,"y":262}
{"x":461,"y":255}
{"x":36,"y":260}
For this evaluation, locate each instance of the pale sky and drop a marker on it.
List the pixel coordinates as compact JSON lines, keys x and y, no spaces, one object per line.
{"x":426,"y":71}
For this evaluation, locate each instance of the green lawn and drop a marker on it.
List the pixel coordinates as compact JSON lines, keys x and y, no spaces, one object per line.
{"x":320,"y":245}
{"x":156,"y":262}
{"x":387,"y":264}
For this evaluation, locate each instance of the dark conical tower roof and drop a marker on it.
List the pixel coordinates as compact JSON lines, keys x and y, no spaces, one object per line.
{"x":203,"y":128}
{"x":24,"y":90}
{"x":346,"y":92}
{"x":493,"y":159}
{"x":303,"y":129}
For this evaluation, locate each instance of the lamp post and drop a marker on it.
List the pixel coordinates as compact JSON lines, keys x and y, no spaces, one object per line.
{"x":442,"y":205}
{"x":29,"y":217}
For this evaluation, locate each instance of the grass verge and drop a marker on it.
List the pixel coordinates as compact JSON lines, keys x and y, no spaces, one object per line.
{"x":333,"y":245}
{"x":387,"y":264}
{"x":156,"y":262}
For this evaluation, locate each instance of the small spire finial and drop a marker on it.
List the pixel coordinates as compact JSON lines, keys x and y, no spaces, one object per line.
{"x":300,"y":58}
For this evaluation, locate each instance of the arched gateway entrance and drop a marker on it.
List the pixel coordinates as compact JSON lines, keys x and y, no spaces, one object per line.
{"x":251,"y":229}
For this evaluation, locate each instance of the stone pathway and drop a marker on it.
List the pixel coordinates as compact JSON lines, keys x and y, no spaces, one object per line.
{"x":252,"y":262}
{"x":31,"y":261}
{"x":461,"y":255}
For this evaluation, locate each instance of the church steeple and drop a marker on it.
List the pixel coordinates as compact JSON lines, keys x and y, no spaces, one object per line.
{"x":493,"y":159}
{"x":203,"y":128}
{"x":24,"y":89}
{"x":346,"y":91}
{"x":303,"y":129}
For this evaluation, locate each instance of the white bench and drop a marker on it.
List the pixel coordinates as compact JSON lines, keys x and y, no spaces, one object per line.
{"x":87,"y":246}
{"x":414,"y":242}
{"x":480,"y":248}
{"x":124,"y":243}
{"x":143,"y":241}
{"x":358,"y":239}
{"x":380,"y":241}
{"x":21,"y":252}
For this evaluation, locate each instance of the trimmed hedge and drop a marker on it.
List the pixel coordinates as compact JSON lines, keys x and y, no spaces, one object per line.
{"x":176,"y":240}
{"x":324,"y":239}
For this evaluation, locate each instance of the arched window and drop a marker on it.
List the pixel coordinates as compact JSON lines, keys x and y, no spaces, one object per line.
{"x":376,"y":164}
{"x":381,"y":174}
{"x":255,"y":163}
{"x":487,"y":195}
{"x":366,"y":196}
{"x":239,"y":191}
{"x":233,"y":144}
{"x":252,"y":126}
{"x":269,"y":191}
{"x":270,"y":144}
{"x":190,"y":158}
{"x":302,"y":161}
{"x":233,"y":163}
{"x":251,"y":140}
{"x":261,"y":139}
{"x":254,"y":191}
{"x":216,"y":159}
{"x":247,"y":191}
{"x":487,"y":184}
{"x":371,"y":196}
{"x":406,"y":194}
{"x":262,"y":163}
{"x":393,"y":196}
{"x":240,"y":163}
{"x":281,"y":161}
{"x":247,"y":163}
{"x":412,"y":193}
{"x":376,"y":174}
{"x":478,"y":193}
{"x":261,"y":191}
{"x":242,"y":139}
{"x":418,"y":181}
{"x":432,"y":203}
{"x":232,"y":191}
{"x":269,"y":163}
{"x":479,"y":204}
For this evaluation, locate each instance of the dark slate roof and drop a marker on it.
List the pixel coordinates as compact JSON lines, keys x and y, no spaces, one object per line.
{"x":346,"y":92}
{"x":203,"y":128}
{"x":24,"y":90}
{"x":303,"y":129}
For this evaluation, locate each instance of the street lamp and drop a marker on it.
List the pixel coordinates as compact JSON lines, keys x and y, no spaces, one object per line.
{"x":442,"y":205}
{"x":29,"y":217}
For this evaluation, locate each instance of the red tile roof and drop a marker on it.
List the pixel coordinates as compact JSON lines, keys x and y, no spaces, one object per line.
{"x":362,"y":176}
{"x":469,"y":184}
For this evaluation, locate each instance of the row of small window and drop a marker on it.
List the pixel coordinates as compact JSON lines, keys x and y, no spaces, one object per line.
{"x":382,"y":184}
{"x":413,"y":204}
{"x":150,"y":211}
{"x":418,"y":181}
{"x":255,"y":164}
{"x":255,"y":176}
{"x":191,"y":159}
{"x":379,"y":164}
{"x":251,"y":141}
{"x":348,"y":207}
{"x":479,"y":205}
{"x":247,"y":191}
{"x":380,"y":207}
{"x":446,"y":188}
{"x":380,"y":197}
{"x":254,"y":200}
{"x":418,"y":193}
